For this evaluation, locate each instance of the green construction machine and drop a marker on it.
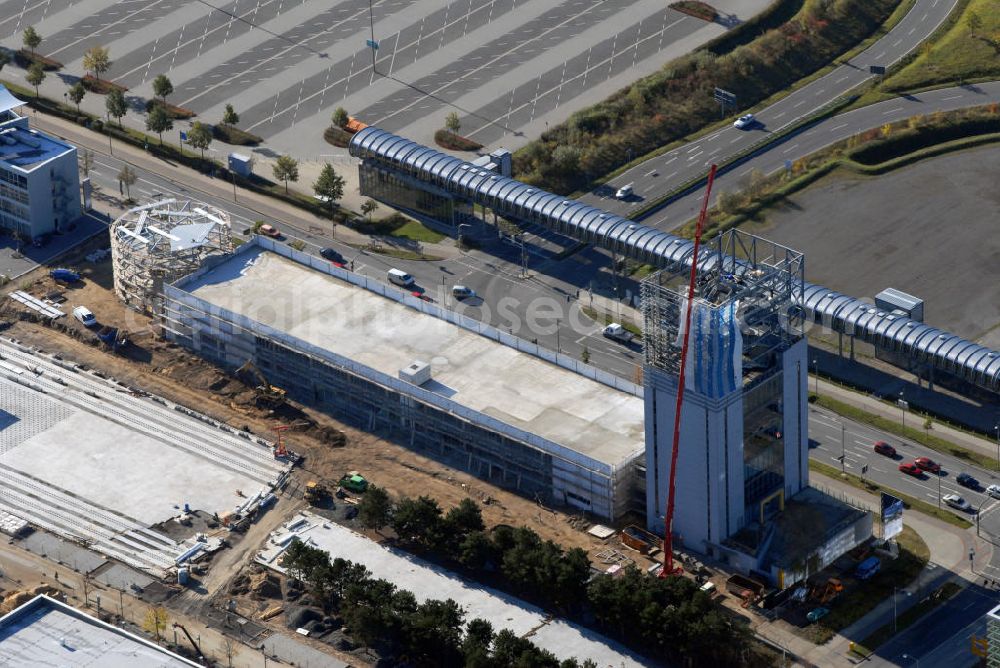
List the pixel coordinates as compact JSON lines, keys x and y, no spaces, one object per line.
{"x":354,"y":482}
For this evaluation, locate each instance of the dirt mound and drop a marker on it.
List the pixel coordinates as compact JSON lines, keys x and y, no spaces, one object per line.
{"x":18,"y":598}
{"x":265,"y":585}
{"x":299,"y":617}
{"x":240,"y":585}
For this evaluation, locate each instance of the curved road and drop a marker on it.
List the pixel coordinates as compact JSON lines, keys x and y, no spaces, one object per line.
{"x":824,"y":133}
{"x":661,"y":173}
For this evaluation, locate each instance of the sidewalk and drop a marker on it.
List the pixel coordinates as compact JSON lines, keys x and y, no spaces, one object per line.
{"x":949,"y":560}
{"x":875,"y":406}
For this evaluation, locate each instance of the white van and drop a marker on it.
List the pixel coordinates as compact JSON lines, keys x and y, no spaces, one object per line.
{"x":84,"y":315}
{"x":401,"y":278}
{"x":624,"y":192}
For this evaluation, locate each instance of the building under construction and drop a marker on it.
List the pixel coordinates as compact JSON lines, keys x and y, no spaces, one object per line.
{"x":160,"y":242}
{"x":744,"y":434}
{"x":448,"y":386}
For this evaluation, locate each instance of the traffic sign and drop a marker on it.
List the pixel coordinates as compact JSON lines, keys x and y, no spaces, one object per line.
{"x":877,"y":69}
{"x":725,"y":96}
{"x":371,"y":44}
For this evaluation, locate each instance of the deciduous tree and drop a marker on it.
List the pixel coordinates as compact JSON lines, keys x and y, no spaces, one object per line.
{"x":76,"y":94}
{"x":31,"y":39}
{"x":162,"y":87}
{"x":116,"y":105}
{"x":97,"y":59}
{"x":127,"y":178}
{"x":230,"y":117}
{"x":329,"y":186}
{"x":451,"y":122}
{"x":286,"y":168}
{"x":158,"y":121}
{"x":200,"y":137}
{"x":340,"y":117}
{"x":35,"y":76}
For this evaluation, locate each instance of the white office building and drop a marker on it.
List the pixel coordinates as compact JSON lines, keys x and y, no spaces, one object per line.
{"x":39,"y":177}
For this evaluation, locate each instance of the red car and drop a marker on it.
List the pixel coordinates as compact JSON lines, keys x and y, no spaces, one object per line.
{"x":909,"y":468}
{"x":927,"y":464}
{"x":884,"y":448}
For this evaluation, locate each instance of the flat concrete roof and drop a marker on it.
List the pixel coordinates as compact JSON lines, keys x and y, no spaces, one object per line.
{"x":517,"y":388}
{"x":430,"y":581}
{"x":45,"y":632}
{"x":26,"y":148}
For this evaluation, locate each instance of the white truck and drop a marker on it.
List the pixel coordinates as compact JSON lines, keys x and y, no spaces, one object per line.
{"x":616,"y":332}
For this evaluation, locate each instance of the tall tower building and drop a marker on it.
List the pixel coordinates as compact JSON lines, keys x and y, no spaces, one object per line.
{"x":744,"y":445}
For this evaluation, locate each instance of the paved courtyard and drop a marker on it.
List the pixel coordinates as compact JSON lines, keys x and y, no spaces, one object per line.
{"x":507,"y":67}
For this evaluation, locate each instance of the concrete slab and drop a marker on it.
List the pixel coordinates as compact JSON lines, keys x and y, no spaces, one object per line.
{"x":429,"y":581}
{"x":60,"y":551}
{"x":110,"y":465}
{"x":477,"y":372}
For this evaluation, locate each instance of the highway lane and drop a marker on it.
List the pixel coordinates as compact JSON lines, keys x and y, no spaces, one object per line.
{"x":821,"y":135}
{"x":661,"y":173}
{"x":831,"y":434}
{"x":944,"y":637}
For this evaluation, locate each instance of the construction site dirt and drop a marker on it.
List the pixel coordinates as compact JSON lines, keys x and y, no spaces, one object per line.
{"x":329,"y":448}
{"x":164,"y":369}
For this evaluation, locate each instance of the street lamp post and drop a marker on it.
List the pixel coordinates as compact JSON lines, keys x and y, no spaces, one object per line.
{"x":894,"y":610}
{"x":939,"y":488}
{"x":816,"y":374}
{"x":843,"y":448}
{"x":996,"y":429}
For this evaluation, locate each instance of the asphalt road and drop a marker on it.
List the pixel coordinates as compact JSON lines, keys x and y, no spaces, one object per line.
{"x":818,"y":136}
{"x":661,"y":173}
{"x":826,"y":430}
{"x":944,"y":637}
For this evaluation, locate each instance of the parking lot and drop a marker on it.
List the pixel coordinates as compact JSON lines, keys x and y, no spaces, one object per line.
{"x":507,"y":67}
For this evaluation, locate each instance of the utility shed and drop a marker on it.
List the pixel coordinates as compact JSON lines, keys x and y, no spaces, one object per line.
{"x":450,"y":387}
{"x":45,"y":632}
{"x":894,"y":300}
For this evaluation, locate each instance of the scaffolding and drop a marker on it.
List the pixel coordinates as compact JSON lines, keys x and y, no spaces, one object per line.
{"x":159,"y":243}
{"x":746,"y":304}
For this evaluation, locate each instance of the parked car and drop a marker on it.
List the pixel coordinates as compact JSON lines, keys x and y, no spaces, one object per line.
{"x":332,"y":255}
{"x":927,"y":464}
{"x":64,"y":275}
{"x":909,"y":468}
{"x":617,"y":332}
{"x":966,"y":480}
{"x":817,"y":614}
{"x":624,"y":192}
{"x":867,"y":568}
{"x":462,"y":292}
{"x":744,"y":121}
{"x":994,"y":491}
{"x":884,"y":448}
{"x":84,"y":315}
{"x":955,"y":501}
{"x":270,"y":231}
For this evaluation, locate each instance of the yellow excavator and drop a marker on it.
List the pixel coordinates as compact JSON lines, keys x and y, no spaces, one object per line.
{"x":267,"y":395}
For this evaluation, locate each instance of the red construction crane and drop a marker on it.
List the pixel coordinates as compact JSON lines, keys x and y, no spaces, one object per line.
{"x":668,"y":542}
{"x":279,"y":447}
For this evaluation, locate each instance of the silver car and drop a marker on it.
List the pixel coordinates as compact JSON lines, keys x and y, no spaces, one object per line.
{"x":955,"y":501}
{"x":994,"y":491}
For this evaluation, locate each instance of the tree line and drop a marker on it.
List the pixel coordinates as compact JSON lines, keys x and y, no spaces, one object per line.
{"x":433,"y":633}
{"x":664,"y":618}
